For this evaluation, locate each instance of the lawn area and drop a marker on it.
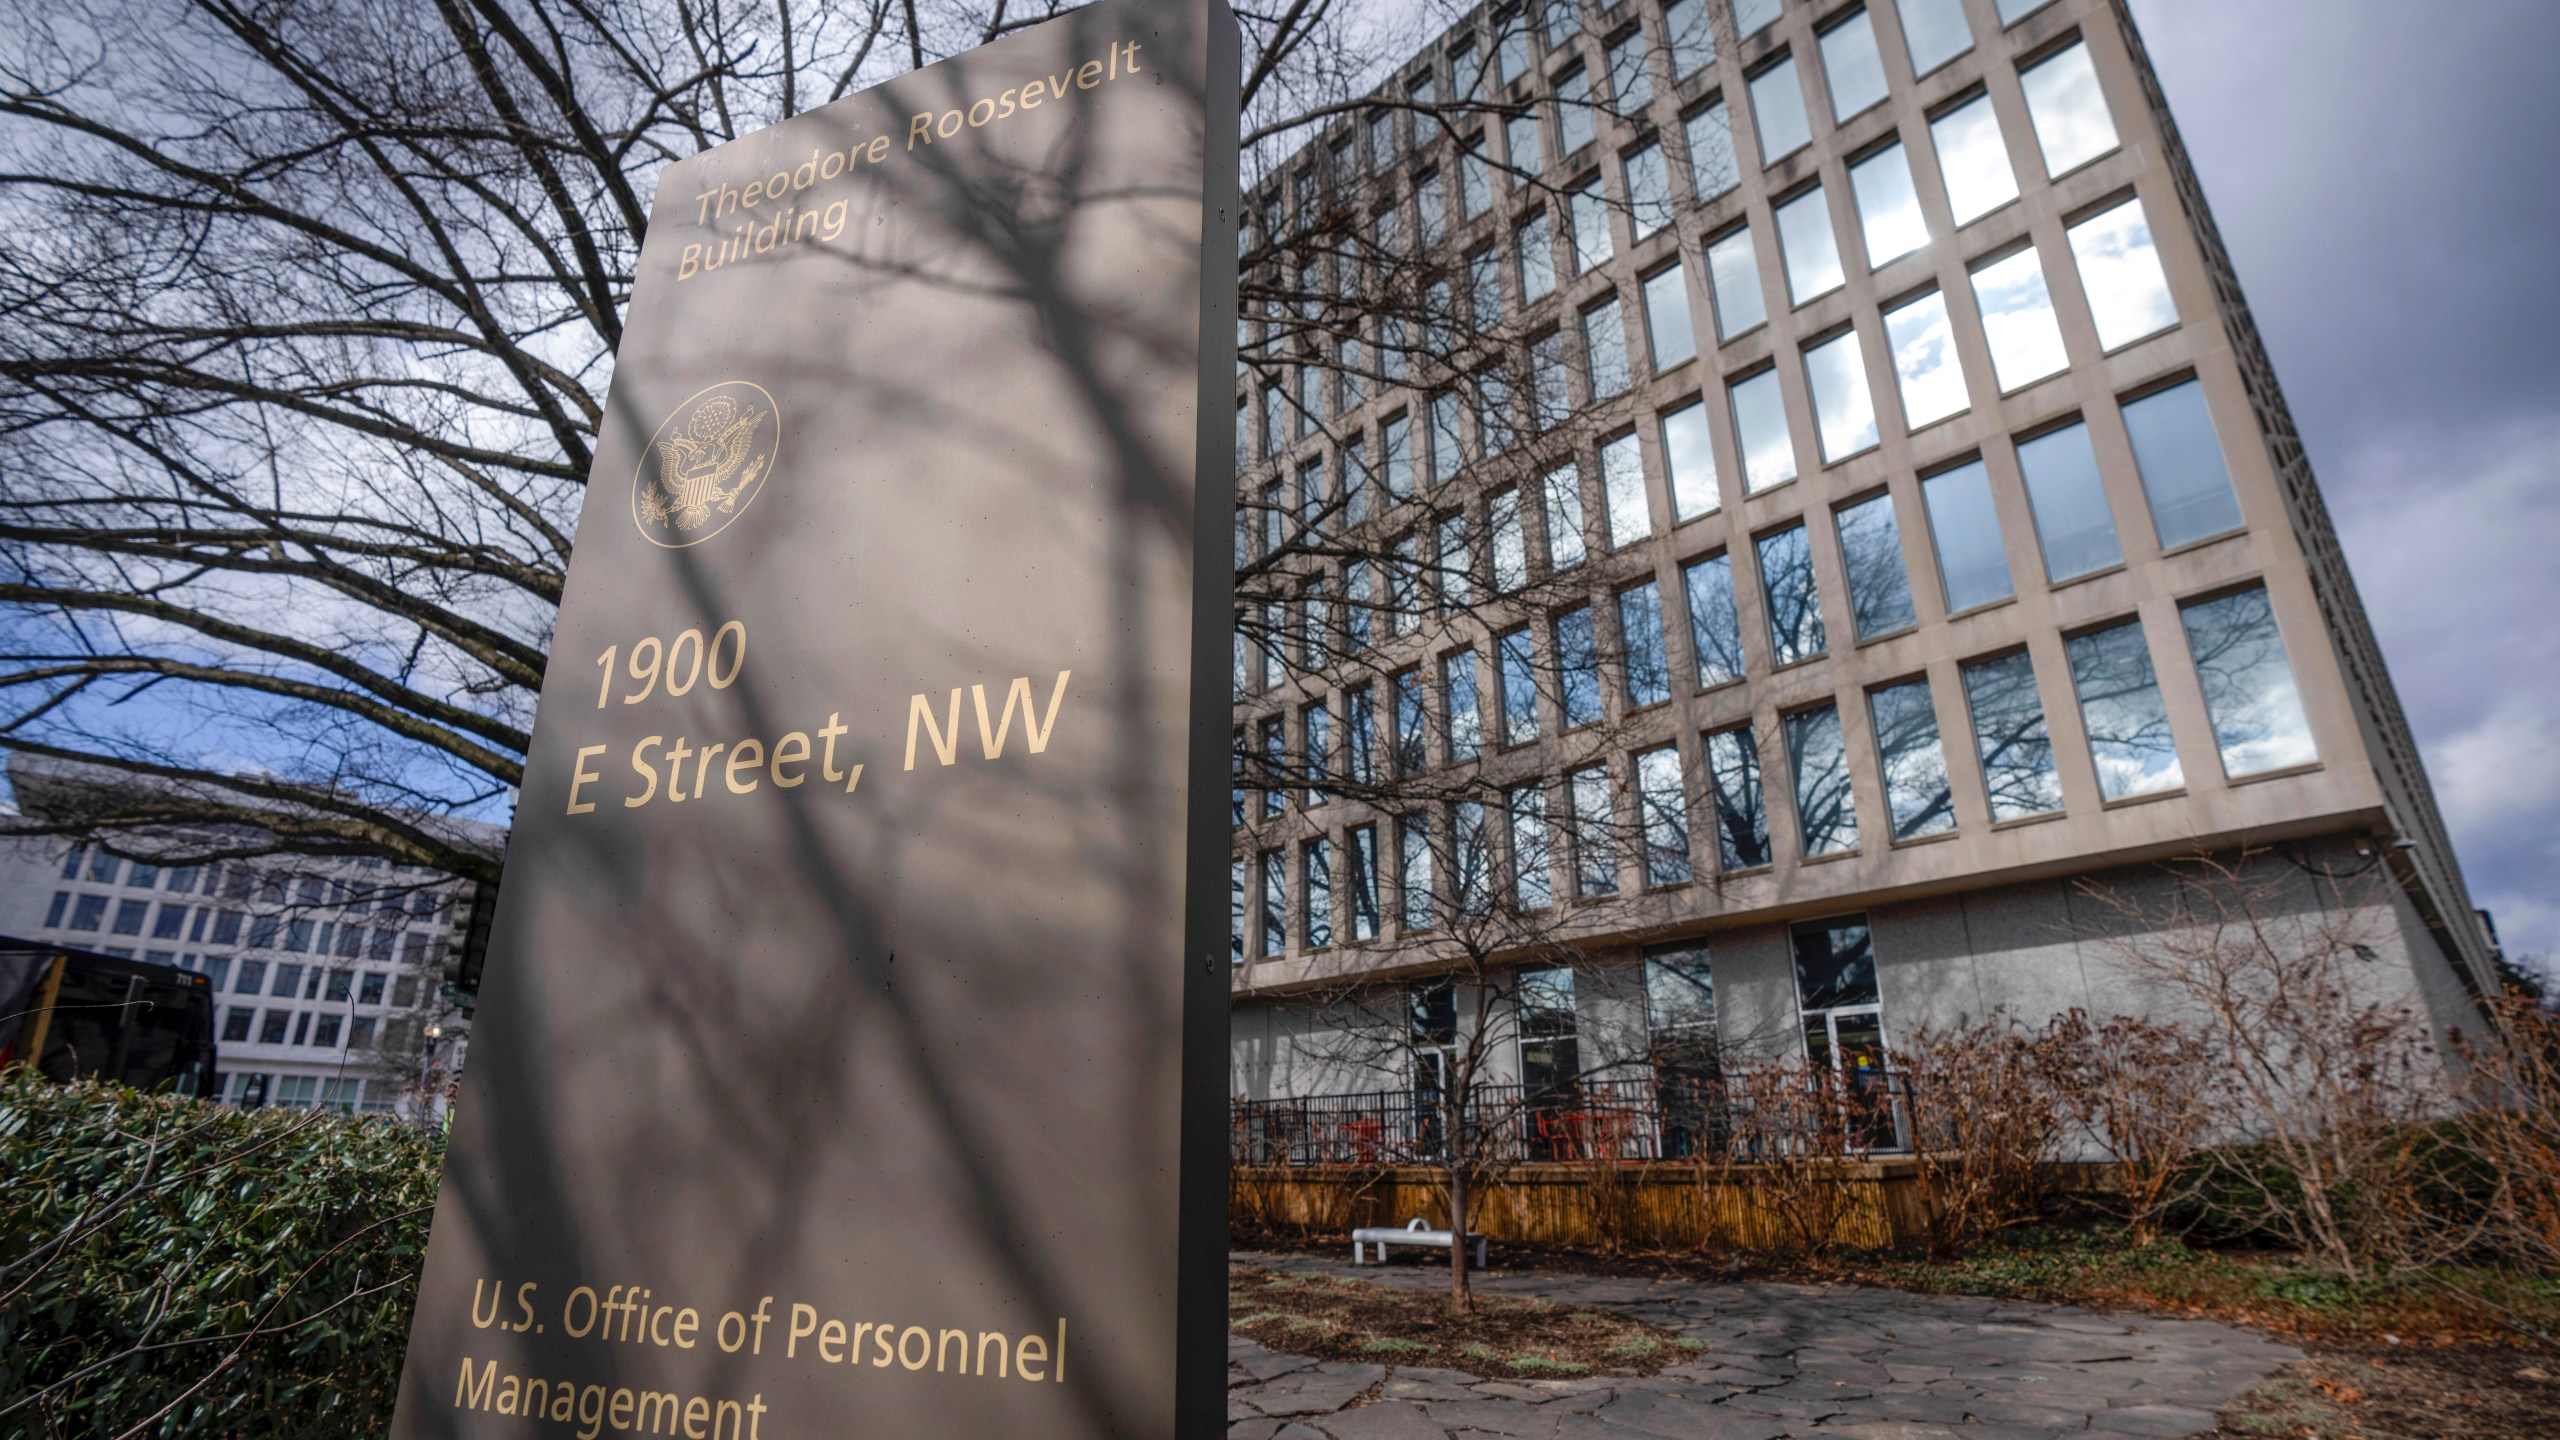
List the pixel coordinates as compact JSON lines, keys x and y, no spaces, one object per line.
{"x":1338,"y":1318}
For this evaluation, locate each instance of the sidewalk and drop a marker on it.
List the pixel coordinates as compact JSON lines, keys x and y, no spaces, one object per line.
{"x":1780,"y":1361}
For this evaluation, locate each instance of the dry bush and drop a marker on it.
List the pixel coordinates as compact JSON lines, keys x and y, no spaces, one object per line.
{"x":1987,"y":1120}
{"x":2327,"y":1086}
{"x":2510,"y":1081}
{"x":1793,"y":1131}
{"x":2146,"y":1093}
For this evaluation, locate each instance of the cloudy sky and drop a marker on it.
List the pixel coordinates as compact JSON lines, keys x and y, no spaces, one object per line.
{"x":2384,"y":177}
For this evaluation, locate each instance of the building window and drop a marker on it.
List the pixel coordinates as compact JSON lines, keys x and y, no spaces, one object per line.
{"x":1563,"y":21}
{"x":1648,"y":191}
{"x":1630,"y":81}
{"x":1852,"y":66}
{"x":104,"y":867}
{"x":1664,"y":799}
{"x":1760,"y":427}
{"x":1275,"y":766}
{"x":1777,"y":104}
{"x":2069,"y":110}
{"x":2017,"y":318}
{"x":129,"y":917}
{"x":1457,"y":563}
{"x":253,"y":978}
{"x":1589,"y":208}
{"x":1404,"y":585}
{"x":1666,"y":317}
{"x":1532,"y":888}
{"x":1475,"y":177}
{"x":2010,"y":733}
{"x":1836,"y":993}
{"x":1458,"y":695}
{"x":1973,"y":565}
{"x":1317,"y":859}
{"x":1275,"y":632}
{"x":1924,"y":360}
{"x":1575,"y":127}
{"x":2120,"y":273}
{"x":288,"y":980}
{"x":274,"y":1026}
{"x":1396,"y":436}
{"x":1693,"y":41}
{"x":340,"y":988}
{"x":1510,"y":542}
{"x":1871,"y":552}
{"x":1362,"y":717}
{"x":1918,"y":799}
{"x":1595,"y":853}
{"x":1550,"y":1056}
{"x":1355,"y":482}
{"x":324,"y":1033}
{"x":1805,"y":240}
{"x":2070,"y":503}
{"x":1974,"y":160}
{"x":1471,"y":858}
{"x":370,"y":992}
{"x":1445,"y":454}
{"x":2183,"y":473}
{"x":1520,"y":142}
{"x":1413,"y":879}
{"x":263,"y":930}
{"x":1640,"y":629}
{"x":1818,"y":758}
{"x":1430,"y":209}
{"x":1409,"y":723}
{"x":1364,"y":882}
{"x":1519,"y":686}
{"x":89,"y":912}
{"x":53,"y":912}
{"x":1622,"y":483}
{"x":71,"y":861}
{"x":1711,"y":163}
{"x":1794,"y":601}
{"x":235,"y":1024}
{"x":1688,"y":461}
{"x":1844,"y":413}
{"x":1752,"y":16}
{"x":1317,"y":724}
{"x":1715,"y":630}
{"x":2249,"y":690}
{"x":1484,"y":288}
{"x":1494,"y":410}
{"x":1235,"y":912}
{"x":1604,"y":344}
{"x":1534,"y":245}
{"x":1577,"y":654}
{"x":1742,"y":820}
{"x":1934,"y":31}
{"x":2120,"y":707}
{"x":1733,"y":269}
{"x":1889,"y":218}
{"x":1563,"y":496}
{"x":1275,"y":902}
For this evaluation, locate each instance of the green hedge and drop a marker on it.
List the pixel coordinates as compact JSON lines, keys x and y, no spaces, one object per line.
{"x":146,"y":1241}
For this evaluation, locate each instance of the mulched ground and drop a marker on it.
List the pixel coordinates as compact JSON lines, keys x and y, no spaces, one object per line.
{"x":1334,"y":1318}
{"x":2468,"y":1392}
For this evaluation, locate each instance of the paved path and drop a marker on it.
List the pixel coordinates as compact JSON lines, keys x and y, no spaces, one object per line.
{"x":1779,"y":1361}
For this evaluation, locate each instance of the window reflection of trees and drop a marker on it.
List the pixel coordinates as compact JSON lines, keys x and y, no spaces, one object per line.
{"x":2120,"y":706}
{"x":1795,"y":605}
{"x":1742,"y":826}
{"x":1826,"y":814}
{"x":1714,"y":628}
{"x":1915,"y":764}
{"x":2258,"y":723}
{"x":1879,"y":583}
{"x":2009,"y":730}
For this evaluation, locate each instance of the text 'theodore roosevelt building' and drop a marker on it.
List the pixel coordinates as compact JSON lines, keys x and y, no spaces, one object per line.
{"x":1930,"y":535}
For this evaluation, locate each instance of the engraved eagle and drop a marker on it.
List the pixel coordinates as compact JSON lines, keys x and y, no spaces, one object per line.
{"x":705,"y":465}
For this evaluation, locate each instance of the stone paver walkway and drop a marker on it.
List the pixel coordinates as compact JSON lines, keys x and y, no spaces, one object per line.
{"x":1779,"y":1361}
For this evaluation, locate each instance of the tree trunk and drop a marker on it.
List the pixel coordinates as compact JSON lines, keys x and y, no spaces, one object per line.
{"x":1461,"y":1298}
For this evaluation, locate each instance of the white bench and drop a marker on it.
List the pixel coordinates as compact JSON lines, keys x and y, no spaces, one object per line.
{"x":1413,"y":1233}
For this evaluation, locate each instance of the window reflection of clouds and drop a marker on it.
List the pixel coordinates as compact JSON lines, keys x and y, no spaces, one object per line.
{"x":1852,"y":65}
{"x":2017,"y":318}
{"x":1640,"y":630}
{"x":1915,"y":765}
{"x":2121,"y":708}
{"x":1595,"y":859}
{"x":2009,"y":731}
{"x":1973,"y":160}
{"x":1760,"y":421}
{"x":1733,"y":265}
{"x":1666,"y":816}
{"x":2183,"y":472}
{"x":1935,"y":32}
{"x":1844,"y":413}
{"x":2069,"y":110}
{"x":1622,"y":477}
{"x":1689,"y":455}
{"x":1972,"y":563}
{"x":1806,"y":243}
{"x":1924,"y":360}
{"x":1777,"y":103}
{"x":1666,"y":315}
{"x":2070,"y":503}
{"x":1711,"y":162}
{"x":2249,"y":690}
{"x":2120,"y":272}
{"x":1888,"y":207}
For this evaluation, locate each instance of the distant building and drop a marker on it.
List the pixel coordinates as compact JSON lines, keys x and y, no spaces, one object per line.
{"x":332,"y":977}
{"x":1938,"y":538}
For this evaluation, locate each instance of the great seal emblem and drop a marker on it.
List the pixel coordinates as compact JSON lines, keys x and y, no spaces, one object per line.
{"x":707,"y":463}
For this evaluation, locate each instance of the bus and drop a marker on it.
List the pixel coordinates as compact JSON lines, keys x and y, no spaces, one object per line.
{"x":76,"y":1014}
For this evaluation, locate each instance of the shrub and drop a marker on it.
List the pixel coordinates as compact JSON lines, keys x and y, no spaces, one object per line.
{"x":172,"y":1268}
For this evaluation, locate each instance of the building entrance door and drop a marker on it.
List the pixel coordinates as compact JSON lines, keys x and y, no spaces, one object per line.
{"x":1843,"y":1009}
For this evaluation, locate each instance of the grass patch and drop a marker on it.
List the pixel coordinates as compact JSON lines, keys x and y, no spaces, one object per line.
{"x":1345,"y":1318}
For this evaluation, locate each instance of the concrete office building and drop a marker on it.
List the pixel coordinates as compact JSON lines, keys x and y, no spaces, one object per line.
{"x":1946,"y":538}
{"x":328,"y":973}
